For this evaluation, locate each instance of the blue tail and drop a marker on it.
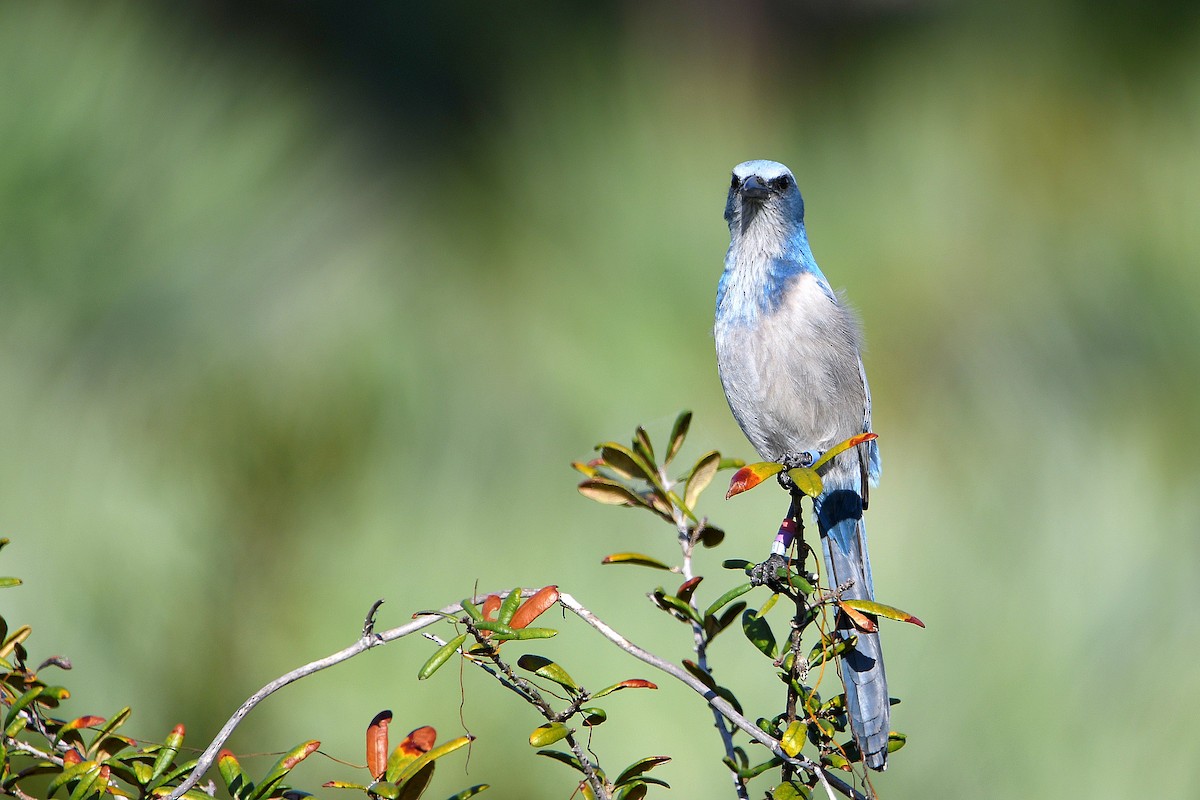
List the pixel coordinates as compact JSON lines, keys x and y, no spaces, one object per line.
{"x":844,"y":540}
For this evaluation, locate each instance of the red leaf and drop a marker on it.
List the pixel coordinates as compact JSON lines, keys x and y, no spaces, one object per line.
{"x":377,"y":744}
{"x":637,"y":683}
{"x":419,"y":742}
{"x":859,"y":619}
{"x":532,"y":608}
{"x":687,"y":588}
{"x":750,"y":476}
{"x":491,"y":605}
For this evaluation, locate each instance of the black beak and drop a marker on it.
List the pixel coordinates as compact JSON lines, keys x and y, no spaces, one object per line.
{"x":754,"y":189}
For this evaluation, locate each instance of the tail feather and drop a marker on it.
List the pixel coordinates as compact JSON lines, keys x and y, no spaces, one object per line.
{"x":844,"y":541}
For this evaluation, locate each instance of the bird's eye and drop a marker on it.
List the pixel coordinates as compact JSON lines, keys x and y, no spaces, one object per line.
{"x":733,"y":184}
{"x":781,"y":183}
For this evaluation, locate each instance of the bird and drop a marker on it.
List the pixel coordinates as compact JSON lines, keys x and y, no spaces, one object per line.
{"x":789,"y":359}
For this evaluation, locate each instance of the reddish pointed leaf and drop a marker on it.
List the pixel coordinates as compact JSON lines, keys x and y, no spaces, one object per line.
{"x":632,"y":683}
{"x":859,"y":619}
{"x":688,"y":588}
{"x":750,"y":476}
{"x":838,"y":449}
{"x":881,"y":610}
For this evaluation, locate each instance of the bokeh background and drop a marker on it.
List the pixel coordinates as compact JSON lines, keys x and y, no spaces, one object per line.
{"x":304,"y":304}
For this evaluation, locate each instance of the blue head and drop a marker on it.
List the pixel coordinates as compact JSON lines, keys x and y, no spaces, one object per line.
{"x":768,"y":246}
{"x":763,"y":186}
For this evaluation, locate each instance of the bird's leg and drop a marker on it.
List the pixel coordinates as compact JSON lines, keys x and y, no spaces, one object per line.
{"x":773,"y":572}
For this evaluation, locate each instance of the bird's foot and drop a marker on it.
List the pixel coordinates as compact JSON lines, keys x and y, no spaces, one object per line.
{"x":771,"y":573}
{"x":801,"y":458}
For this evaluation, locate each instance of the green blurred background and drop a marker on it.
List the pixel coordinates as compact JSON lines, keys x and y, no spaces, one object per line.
{"x":305,"y":304}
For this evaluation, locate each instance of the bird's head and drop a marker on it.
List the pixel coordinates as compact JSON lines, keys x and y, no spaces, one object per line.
{"x":763,"y":193}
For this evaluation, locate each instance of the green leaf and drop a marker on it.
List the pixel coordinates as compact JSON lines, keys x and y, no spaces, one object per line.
{"x":881,"y":610}
{"x":626,"y":463}
{"x":6,"y":583}
{"x":415,"y":786}
{"x":700,"y":477}
{"x":593,"y":716}
{"x":236,"y":782}
{"x":831,"y":645}
{"x":20,"y":703}
{"x":736,"y":563}
{"x":386,"y":790}
{"x":632,"y":683}
{"x":715,"y":625}
{"x":793,"y":738}
{"x":699,"y":674}
{"x":466,"y":793}
{"x":441,"y":656}
{"x":92,"y":782}
{"x":642,"y":446}
{"x":791,"y":790}
{"x":548,"y":733}
{"x":896,"y":741}
{"x":838,"y":449}
{"x":729,"y":596}
{"x":759,"y":633}
{"x":167,"y":753}
{"x":472,"y":610}
{"x":674,"y":606}
{"x":343,"y":785}
{"x":545,"y":668}
{"x":632,"y":791}
{"x":565,"y":758}
{"x":768,"y":605}
{"x":679,"y":432}
{"x":611,"y":493}
{"x":73,"y":772}
{"x":750,"y":476}
{"x":528,"y":633}
{"x":282,"y":767}
{"x":638,"y":767}
{"x":807,"y":480}
{"x":635,"y":558}
{"x":434,"y":754}
{"x":509,"y":607}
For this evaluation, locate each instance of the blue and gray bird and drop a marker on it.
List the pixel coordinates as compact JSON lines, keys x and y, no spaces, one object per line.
{"x":788,"y":355}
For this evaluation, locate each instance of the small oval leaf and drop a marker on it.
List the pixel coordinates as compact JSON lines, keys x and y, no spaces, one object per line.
{"x":547,"y":734}
{"x":545,"y":668}
{"x":700,"y":477}
{"x":441,"y":656}
{"x":678,"y":433}
{"x":807,"y":480}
